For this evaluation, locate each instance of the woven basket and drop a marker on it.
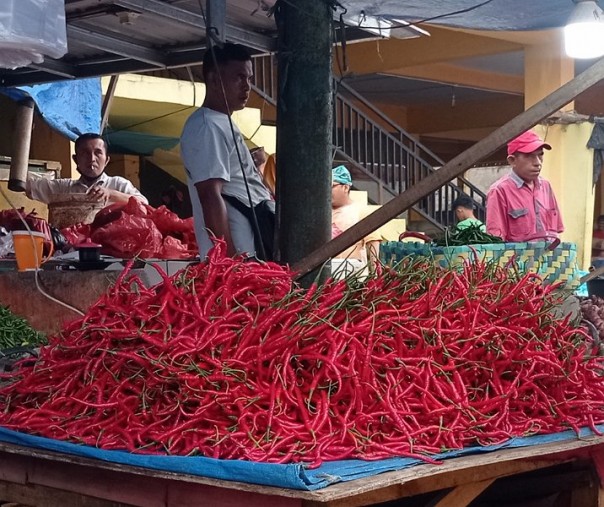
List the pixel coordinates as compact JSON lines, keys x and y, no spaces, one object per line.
{"x":555,"y":265}
{"x":64,"y":211}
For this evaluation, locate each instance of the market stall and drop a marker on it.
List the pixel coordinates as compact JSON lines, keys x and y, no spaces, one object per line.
{"x":228,"y":372}
{"x":40,"y":477}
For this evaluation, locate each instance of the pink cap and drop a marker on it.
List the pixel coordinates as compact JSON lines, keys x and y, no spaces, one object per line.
{"x":527,"y":143}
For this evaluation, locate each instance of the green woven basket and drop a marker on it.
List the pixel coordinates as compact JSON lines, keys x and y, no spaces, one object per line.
{"x":557,"y":265}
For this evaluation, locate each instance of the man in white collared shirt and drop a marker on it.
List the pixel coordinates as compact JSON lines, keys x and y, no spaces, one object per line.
{"x":91,"y":159}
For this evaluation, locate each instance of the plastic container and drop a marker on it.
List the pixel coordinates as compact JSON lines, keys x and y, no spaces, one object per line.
{"x":30,"y":29}
{"x":28,"y":249}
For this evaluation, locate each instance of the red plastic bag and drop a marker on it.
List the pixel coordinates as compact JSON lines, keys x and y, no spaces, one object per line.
{"x":11,"y":220}
{"x":136,"y":208}
{"x":76,"y":234}
{"x":173,"y":248}
{"x":108,"y":214}
{"x":169,"y":222}
{"x":129,"y":236}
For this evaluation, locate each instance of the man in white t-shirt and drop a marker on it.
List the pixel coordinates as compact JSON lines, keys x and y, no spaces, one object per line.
{"x":215,"y":155}
{"x":91,"y":159}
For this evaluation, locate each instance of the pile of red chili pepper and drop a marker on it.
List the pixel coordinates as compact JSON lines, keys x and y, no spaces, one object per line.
{"x":230,"y":359}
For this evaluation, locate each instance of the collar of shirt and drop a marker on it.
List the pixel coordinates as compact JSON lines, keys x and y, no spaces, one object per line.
{"x":518,"y":181}
{"x":101,"y":179}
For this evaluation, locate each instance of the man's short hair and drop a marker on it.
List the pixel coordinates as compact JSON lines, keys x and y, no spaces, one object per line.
{"x":463,"y":201}
{"x":217,"y":56}
{"x":88,"y":136}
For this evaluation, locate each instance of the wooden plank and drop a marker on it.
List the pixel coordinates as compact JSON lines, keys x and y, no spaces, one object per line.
{"x":454,"y":472}
{"x":388,"y":485}
{"x":444,"y":480}
{"x":40,"y":496}
{"x":65,"y":467}
{"x":97,"y":483}
{"x":461,"y":496}
{"x":454,"y":168}
{"x":586,"y":495}
{"x":194,"y":495}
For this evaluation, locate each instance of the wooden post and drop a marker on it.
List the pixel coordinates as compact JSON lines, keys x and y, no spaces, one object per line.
{"x":107,"y":101}
{"x":455,"y":167}
{"x":304,"y":129}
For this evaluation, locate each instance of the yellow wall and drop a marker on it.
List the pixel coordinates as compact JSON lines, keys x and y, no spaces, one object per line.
{"x":568,"y":167}
{"x":161,"y":106}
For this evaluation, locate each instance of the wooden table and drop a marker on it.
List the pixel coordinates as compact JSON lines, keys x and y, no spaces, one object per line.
{"x":42,"y":478}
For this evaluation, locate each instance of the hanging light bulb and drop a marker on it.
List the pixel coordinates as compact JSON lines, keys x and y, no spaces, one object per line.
{"x":584,"y":32}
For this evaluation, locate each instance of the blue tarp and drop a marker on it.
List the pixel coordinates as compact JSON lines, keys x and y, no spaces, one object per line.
{"x":475,"y":14}
{"x":70,"y":107}
{"x":294,"y":476}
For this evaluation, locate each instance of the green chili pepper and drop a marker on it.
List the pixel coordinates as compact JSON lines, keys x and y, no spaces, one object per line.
{"x":16,"y":332}
{"x":471,"y":235}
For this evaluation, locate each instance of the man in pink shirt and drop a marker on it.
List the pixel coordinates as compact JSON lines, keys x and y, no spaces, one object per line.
{"x":521,"y":206}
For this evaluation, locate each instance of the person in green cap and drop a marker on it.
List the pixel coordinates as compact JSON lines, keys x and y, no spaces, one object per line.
{"x":344,"y":214}
{"x":463,"y":208}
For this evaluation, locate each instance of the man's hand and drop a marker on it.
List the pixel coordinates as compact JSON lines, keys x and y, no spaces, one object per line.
{"x":99,"y":194}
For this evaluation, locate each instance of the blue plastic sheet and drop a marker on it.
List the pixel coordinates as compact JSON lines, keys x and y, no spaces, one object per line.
{"x":294,"y":476}
{"x":475,"y":14}
{"x":70,"y":107}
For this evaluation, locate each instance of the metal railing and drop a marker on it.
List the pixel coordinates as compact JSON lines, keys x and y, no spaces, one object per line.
{"x":378,"y":150}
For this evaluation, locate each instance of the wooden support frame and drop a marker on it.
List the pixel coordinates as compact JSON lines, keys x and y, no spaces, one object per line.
{"x":26,"y":474}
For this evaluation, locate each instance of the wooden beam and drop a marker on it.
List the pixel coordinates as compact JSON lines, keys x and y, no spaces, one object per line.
{"x":461,"y":496}
{"x":109,"y":94}
{"x":454,"y":168}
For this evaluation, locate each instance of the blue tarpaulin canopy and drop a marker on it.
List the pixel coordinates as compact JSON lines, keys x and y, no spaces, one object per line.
{"x":70,"y":107}
{"x":473,"y":14}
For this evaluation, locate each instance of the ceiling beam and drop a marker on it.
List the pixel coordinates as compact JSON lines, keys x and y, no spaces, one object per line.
{"x":186,"y":17}
{"x":27,"y":78}
{"x":56,"y":67}
{"x":452,"y":74}
{"x":116,"y":46}
{"x":441,"y":46}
